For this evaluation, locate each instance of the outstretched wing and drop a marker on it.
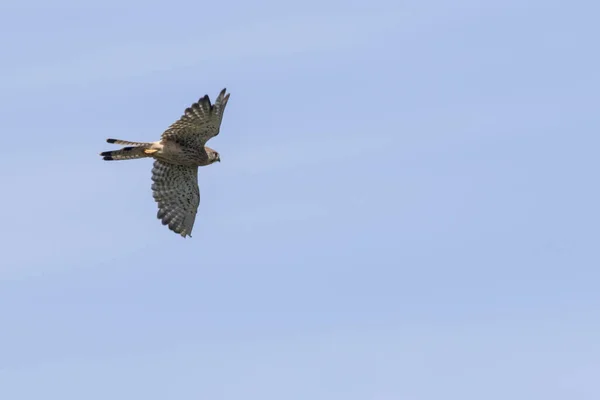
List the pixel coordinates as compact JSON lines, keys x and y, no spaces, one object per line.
{"x":176,"y":191}
{"x":199,"y":122}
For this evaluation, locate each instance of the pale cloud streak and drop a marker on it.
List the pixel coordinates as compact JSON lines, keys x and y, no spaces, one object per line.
{"x":264,"y":39}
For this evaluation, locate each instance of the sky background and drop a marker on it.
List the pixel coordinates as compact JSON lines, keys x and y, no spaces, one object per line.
{"x":406,"y":207}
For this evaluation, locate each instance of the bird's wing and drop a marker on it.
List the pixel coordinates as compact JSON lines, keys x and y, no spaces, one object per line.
{"x":200,"y":122}
{"x":176,"y":191}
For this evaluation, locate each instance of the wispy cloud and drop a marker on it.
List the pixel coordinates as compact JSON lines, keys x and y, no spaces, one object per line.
{"x":273,"y":38}
{"x":306,"y":150}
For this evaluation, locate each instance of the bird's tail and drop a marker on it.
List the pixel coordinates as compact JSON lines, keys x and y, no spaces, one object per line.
{"x":132,"y":151}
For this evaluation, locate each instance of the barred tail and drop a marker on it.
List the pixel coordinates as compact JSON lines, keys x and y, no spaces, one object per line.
{"x":127,"y":153}
{"x":127,"y":143}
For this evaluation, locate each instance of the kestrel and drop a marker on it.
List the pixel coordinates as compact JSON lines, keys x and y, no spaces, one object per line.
{"x":177,"y":156}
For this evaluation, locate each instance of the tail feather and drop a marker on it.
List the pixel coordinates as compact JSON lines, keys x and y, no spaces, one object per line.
{"x":126,"y":153}
{"x":132,"y":151}
{"x":127,"y":142}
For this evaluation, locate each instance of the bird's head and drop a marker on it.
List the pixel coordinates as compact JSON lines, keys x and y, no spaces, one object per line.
{"x":213,"y":155}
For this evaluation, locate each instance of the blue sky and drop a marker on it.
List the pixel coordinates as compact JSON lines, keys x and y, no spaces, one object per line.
{"x":406,"y":207}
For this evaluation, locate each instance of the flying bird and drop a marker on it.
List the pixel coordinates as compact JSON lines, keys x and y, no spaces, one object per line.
{"x":177,"y":156}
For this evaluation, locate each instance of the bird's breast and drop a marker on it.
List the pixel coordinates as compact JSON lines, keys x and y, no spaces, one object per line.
{"x":174,"y":153}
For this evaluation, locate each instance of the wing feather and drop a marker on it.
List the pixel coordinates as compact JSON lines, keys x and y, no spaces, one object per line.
{"x":175,"y":189}
{"x":200,"y":122}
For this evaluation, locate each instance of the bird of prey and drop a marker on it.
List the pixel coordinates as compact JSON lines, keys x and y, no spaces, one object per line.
{"x":177,"y":156}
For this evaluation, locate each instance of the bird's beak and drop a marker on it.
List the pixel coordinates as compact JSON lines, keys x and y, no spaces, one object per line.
{"x":219,"y":159}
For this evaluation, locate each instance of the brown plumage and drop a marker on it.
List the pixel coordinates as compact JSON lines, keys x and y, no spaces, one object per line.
{"x":178,"y":154}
